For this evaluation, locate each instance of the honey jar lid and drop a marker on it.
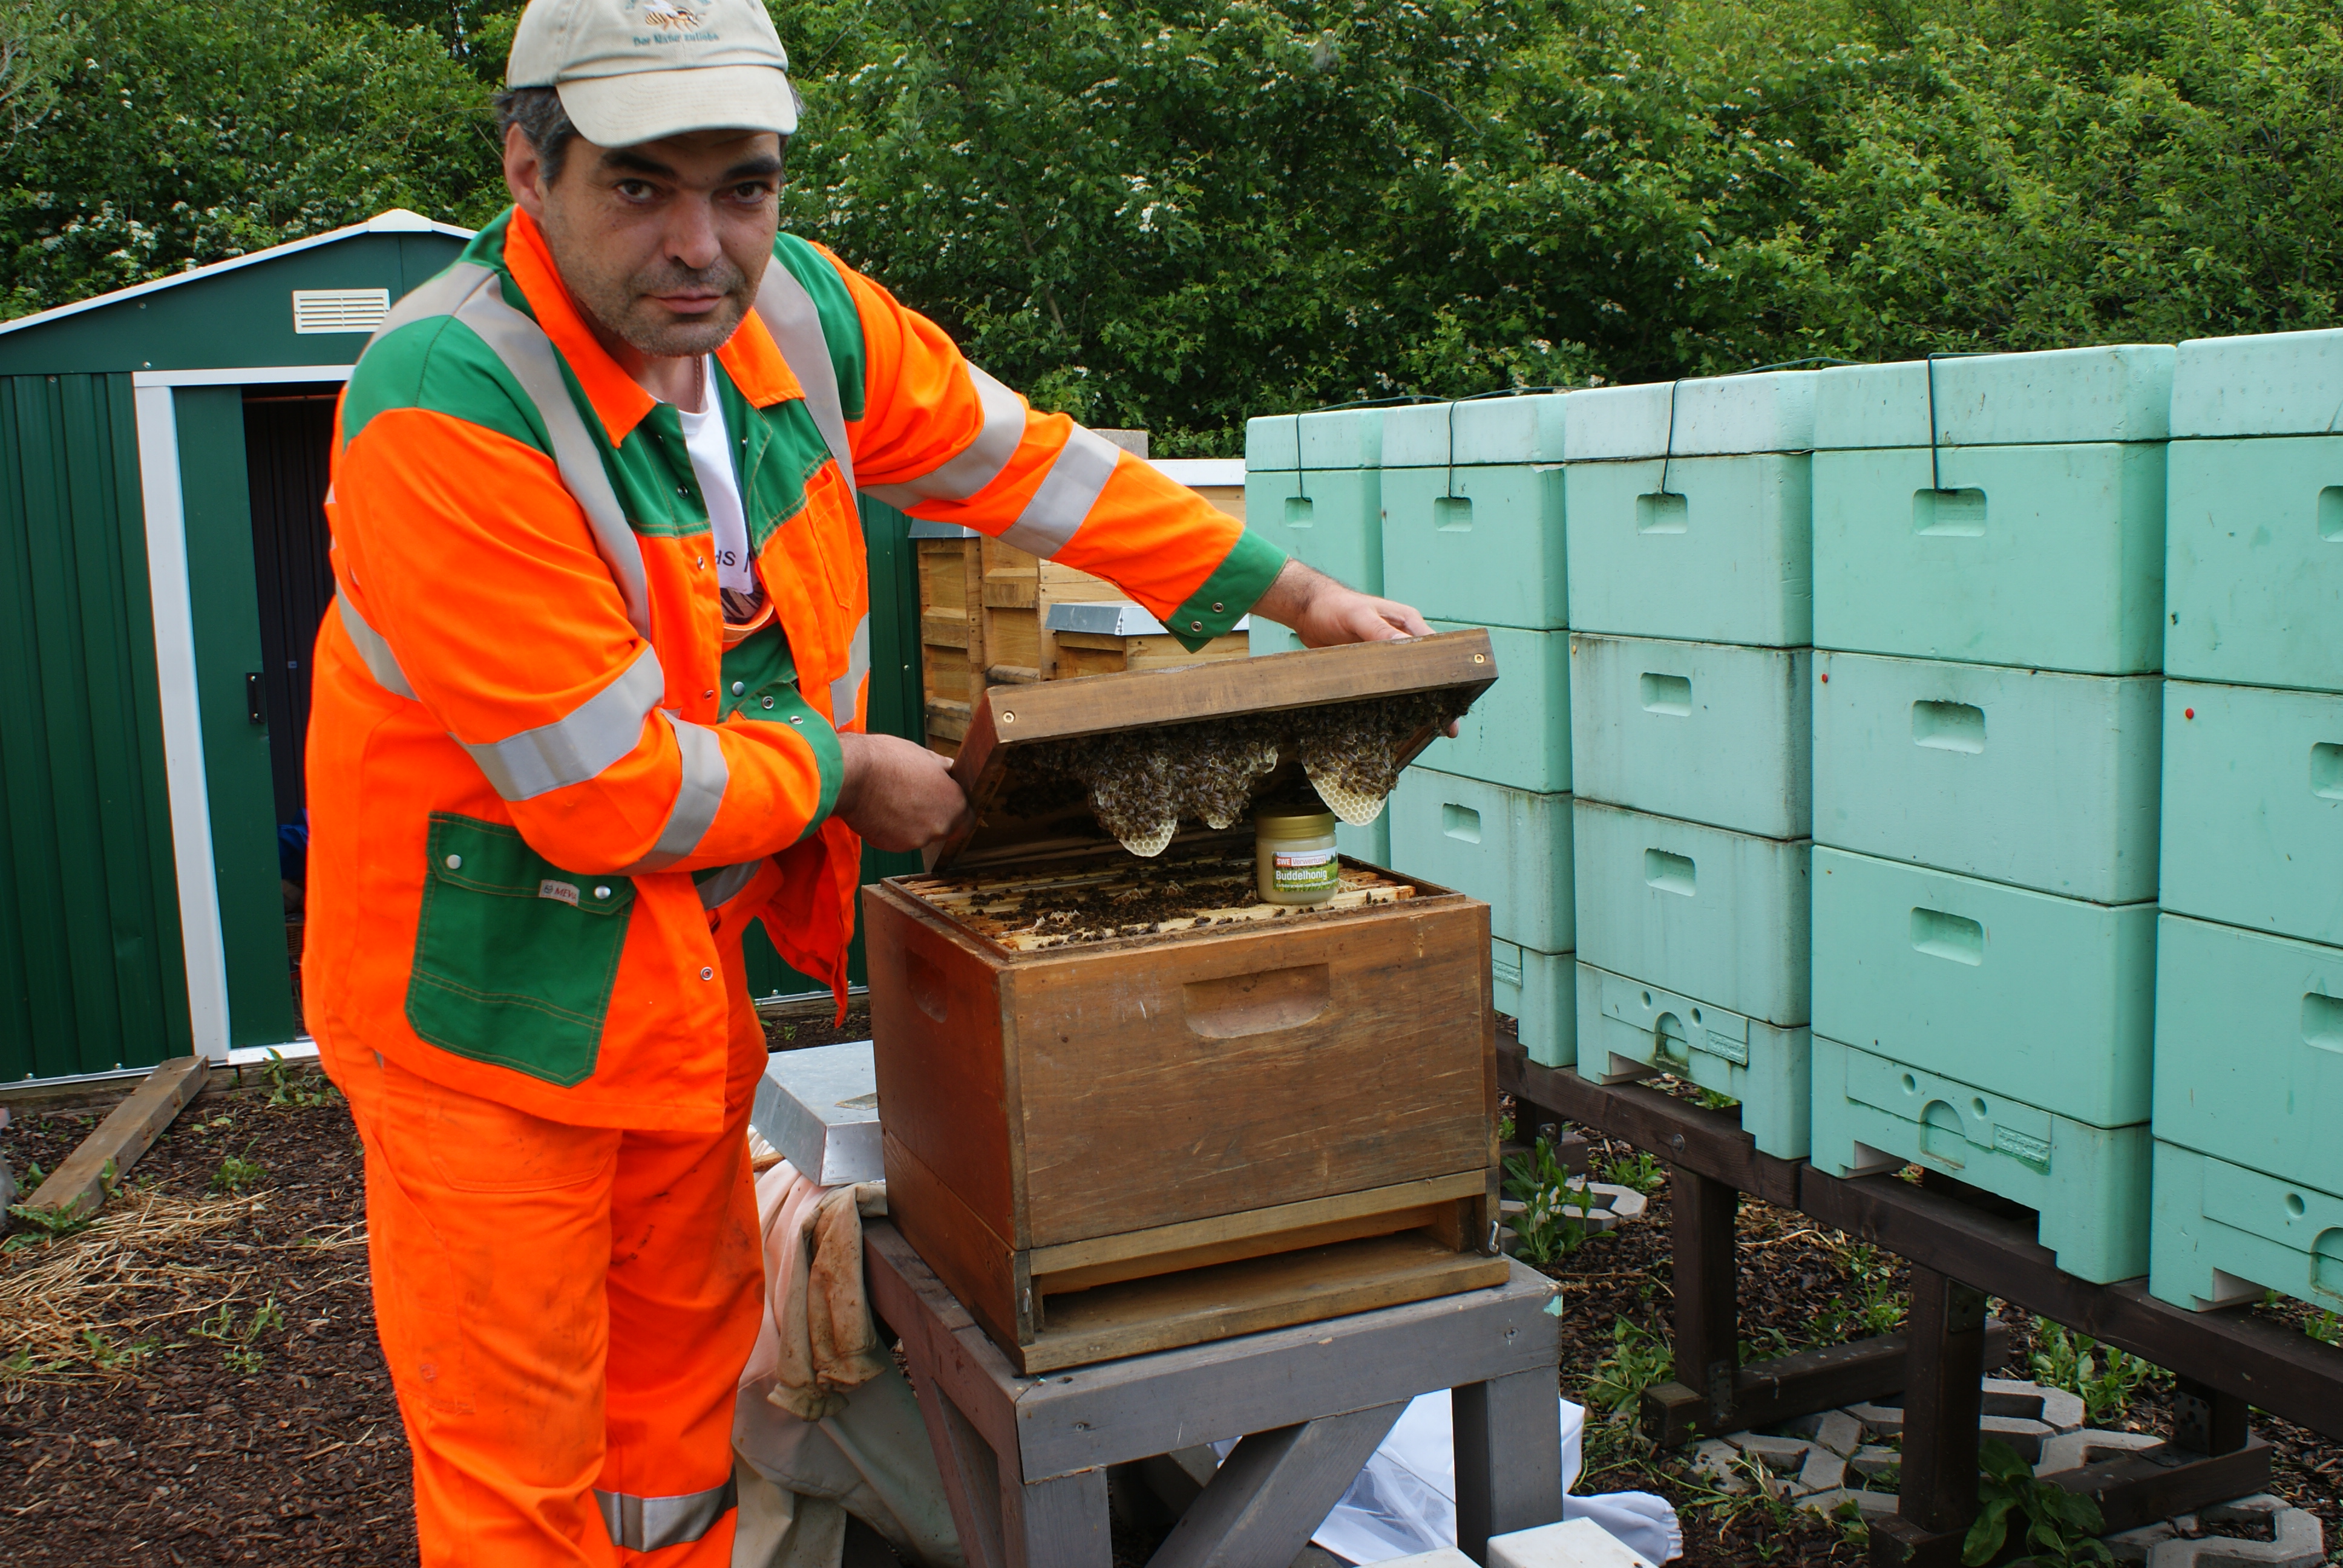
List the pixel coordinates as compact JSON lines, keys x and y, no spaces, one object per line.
{"x":1023,"y":806}
{"x":1293,"y":822}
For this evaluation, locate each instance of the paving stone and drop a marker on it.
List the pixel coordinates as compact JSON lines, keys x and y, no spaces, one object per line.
{"x":2055,"y":1407}
{"x":2301,"y":1544}
{"x":1782,"y":1455}
{"x":1719,"y":1463}
{"x":1807,"y":1425}
{"x":2074,"y":1450}
{"x":2022,"y":1434}
{"x":1840,"y":1432}
{"x":1875,"y":1459}
{"x":2252,"y":1510}
{"x":1884,"y":1420}
{"x":1873,"y":1505}
{"x":1823,"y":1471}
{"x":2134,"y":1545}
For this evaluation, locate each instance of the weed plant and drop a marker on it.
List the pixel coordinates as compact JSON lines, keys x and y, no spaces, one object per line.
{"x":2062,"y":1527}
{"x":2104,"y":1377}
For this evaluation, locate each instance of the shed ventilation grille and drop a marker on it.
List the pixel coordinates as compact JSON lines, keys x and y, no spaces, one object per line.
{"x":339,"y":309}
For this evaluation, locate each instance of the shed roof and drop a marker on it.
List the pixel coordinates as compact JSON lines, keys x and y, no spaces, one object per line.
{"x":241,"y":313}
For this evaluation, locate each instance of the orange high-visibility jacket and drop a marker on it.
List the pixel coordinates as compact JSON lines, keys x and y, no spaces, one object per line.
{"x":538,"y":779}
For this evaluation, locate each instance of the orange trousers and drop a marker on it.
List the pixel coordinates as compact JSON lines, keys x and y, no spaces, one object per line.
{"x":565,"y":1312}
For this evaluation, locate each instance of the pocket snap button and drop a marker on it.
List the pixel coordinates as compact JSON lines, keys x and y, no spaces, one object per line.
{"x":455,"y":862}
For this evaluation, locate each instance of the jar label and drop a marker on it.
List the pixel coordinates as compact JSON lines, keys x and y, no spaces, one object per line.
{"x":1305,"y":870}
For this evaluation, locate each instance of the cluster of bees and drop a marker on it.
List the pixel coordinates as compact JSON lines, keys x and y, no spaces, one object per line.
{"x":1142,"y":784}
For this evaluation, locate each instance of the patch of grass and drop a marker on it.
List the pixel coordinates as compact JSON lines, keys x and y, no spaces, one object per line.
{"x":2105,"y":1377}
{"x":1638,"y":1170}
{"x":288,"y":1085}
{"x":99,"y":1351}
{"x":238,"y":1174}
{"x":47,"y":1224}
{"x":1876,"y":1306}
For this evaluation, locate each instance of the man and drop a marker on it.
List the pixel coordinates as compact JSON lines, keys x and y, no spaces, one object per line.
{"x":591,"y":700}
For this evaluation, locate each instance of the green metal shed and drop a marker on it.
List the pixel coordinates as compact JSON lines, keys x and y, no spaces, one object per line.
{"x":163,"y":465}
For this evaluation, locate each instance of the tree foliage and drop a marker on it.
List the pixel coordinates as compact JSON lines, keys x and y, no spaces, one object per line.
{"x":1177,"y":213}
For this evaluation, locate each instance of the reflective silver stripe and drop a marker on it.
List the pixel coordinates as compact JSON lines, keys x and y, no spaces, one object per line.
{"x":581,"y":743}
{"x":725,"y":885}
{"x":648,"y":1524}
{"x":472,"y":294}
{"x":979,"y":462}
{"x":380,"y":662}
{"x":529,"y":354}
{"x":1068,"y":492}
{"x":697,"y":797}
{"x":846,"y":691}
{"x":789,"y":313}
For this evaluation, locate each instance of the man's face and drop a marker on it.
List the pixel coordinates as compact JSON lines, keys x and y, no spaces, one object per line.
{"x":662,"y":244}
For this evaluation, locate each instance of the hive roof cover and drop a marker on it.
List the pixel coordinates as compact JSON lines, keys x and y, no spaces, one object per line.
{"x":820,"y":1107}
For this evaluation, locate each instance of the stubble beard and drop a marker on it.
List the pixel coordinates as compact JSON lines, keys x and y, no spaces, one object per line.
{"x":624,"y":307}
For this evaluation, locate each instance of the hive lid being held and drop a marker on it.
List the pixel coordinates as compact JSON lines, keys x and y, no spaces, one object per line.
{"x":820,"y":1107}
{"x":1014,"y":762}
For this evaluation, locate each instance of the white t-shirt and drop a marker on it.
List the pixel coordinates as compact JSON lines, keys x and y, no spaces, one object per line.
{"x":705,"y":439}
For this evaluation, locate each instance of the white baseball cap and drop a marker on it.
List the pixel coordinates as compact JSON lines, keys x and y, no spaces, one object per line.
{"x":632,"y":71}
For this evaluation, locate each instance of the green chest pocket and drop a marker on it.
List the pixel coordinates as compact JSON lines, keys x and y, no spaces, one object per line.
{"x":515,"y":958}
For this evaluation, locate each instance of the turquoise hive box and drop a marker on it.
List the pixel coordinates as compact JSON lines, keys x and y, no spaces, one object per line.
{"x":2249,"y":1050}
{"x":2041,"y":998}
{"x":1629,"y":1030}
{"x":2254,"y":535}
{"x":1508,"y":848}
{"x":1714,"y":916}
{"x":1998,"y":510}
{"x":2048,"y":781}
{"x":2088,"y":1185}
{"x":1691,"y":508}
{"x":1473,"y":510}
{"x":1537,"y":990}
{"x":1518,"y":733}
{"x":2252,"y":820}
{"x":1313,"y":487}
{"x":1709,"y":732}
{"x":2224,"y":1233}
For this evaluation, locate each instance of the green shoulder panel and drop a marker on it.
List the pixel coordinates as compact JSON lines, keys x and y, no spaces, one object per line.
{"x":841,"y":324}
{"x":1228,"y":595}
{"x":440,"y":364}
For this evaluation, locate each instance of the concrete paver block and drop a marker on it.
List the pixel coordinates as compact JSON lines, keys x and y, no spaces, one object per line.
{"x":1718,"y":1463}
{"x":1882,"y":1419}
{"x":1875,"y":1459}
{"x":2026,"y":1436}
{"x":1782,"y":1455}
{"x":1823,"y":1471}
{"x":1840,"y":1432}
{"x":1873,"y":1505}
{"x":2300,"y":1542}
{"x":2074,"y":1450}
{"x":1572,"y":1543}
{"x":2055,"y":1407}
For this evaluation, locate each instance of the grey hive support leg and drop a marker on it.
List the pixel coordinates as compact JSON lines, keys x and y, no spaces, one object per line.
{"x":1061,"y":1523}
{"x":1273,"y":1489}
{"x":1508,"y":1457}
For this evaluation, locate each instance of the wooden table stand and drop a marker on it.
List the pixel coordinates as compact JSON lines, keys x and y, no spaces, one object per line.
{"x":1024,"y":1459}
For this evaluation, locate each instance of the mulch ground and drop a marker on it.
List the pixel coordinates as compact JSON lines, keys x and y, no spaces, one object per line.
{"x":216,"y":1395}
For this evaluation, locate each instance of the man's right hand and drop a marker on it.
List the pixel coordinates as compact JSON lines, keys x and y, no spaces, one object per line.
{"x":897,"y":795}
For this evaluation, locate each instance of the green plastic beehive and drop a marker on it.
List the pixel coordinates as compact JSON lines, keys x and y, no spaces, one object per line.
{"x":1536,"y":991}
{"x":2249,"y":1050}
{"x":1313,"y":487}
{"x":1628,"y":1029}
{"x":2254,"y":562}
{"x":2088,"y":1184}
{"x":1479,"y":545}
{"x":2045,"y":780}
{"x":1725,"y":553}
{"x":2044,"y":557}
{"x":2016,"y":992}
{"x":2120,"y":392}
{"x":1709,"y":732}
{"x":2264,"y":384}
{"x":1518,"y":733}
{"x":2253,"y":817}
{"x":2223,"y":1235}
{"x":1698,"y":910}
{"x":1508,"y":848}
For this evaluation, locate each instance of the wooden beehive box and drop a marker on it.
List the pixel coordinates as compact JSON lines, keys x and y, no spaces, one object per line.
{"x":1193,"y":1115}
{"x":1094,"y":637}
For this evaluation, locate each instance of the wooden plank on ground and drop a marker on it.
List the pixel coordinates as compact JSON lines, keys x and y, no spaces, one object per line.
{"x":79,"y":1185}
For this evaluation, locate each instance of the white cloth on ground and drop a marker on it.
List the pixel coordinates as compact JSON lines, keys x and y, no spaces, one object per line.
{"x":1404,"y":1501}
{"x":816,"y":1341}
